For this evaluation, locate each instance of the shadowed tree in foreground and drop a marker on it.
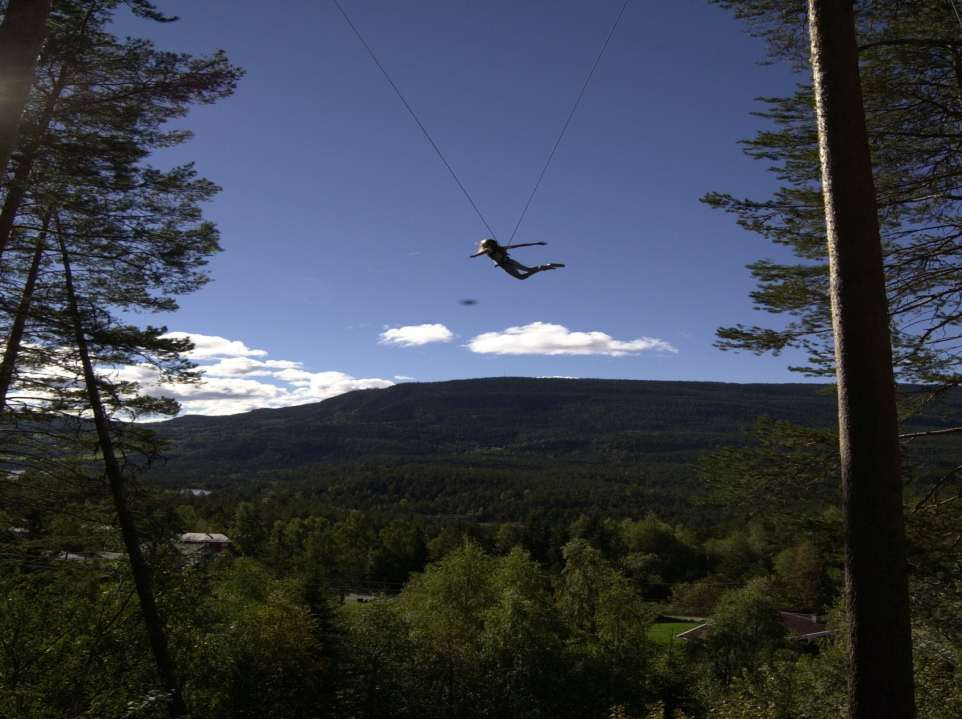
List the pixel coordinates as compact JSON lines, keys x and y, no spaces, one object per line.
{"x":128,"y":237}
{"x":118,"y":490}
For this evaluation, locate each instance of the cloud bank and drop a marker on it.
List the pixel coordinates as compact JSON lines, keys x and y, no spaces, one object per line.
{"x":543,"y":338}
{"x":235,"y":378}
{"x":416,"y":335}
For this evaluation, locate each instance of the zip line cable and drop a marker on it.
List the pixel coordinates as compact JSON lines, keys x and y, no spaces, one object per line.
{"x":554,"y":149}
{"x":427,"y":135}
{"x":571,"y":114}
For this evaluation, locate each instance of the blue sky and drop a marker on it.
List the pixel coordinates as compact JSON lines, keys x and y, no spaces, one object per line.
{"x":339,"y":222}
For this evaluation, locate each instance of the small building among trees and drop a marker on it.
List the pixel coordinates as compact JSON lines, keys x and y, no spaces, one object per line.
{"x":198,"y":546}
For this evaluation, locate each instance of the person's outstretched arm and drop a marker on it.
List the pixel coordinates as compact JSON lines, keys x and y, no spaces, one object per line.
{"x":478,"y":254}
{"x":524,"y":244}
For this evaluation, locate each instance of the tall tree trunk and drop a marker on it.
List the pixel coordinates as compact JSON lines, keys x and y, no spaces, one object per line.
{"x":118,"y":488}
{"x":25,"y":162}
{"x":20,"y":319}
{"x":880,"y":641}
{"x":22,"y":33}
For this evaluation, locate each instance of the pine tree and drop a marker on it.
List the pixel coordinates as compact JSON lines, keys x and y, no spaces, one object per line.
{"x":909,"y":57}
{"x":878,"y":249}
{"x":99,"y":103}
{"x":136,"y":234}
{"x":118,"y":490}
{"x":877,"y":595}
{"x":92,"y":229}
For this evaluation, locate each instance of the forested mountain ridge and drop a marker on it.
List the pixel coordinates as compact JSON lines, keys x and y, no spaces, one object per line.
{"x":501,"y":421}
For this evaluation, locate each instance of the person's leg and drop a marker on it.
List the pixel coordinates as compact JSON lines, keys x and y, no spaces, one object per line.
{"x":516,"y":269}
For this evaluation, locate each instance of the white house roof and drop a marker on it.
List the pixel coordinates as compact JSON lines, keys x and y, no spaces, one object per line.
{"x":204,"y":538}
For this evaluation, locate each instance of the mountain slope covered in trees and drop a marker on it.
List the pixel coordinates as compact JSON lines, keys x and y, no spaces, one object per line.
{"x":455,"y":438}
{"x":491,"y":419}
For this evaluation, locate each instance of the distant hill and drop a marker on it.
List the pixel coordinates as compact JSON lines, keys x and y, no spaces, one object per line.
{"x":470,"y":436}
{"x":586,"y":420}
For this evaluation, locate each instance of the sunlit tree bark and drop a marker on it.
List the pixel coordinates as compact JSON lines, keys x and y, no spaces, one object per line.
{"x":880,"y":646}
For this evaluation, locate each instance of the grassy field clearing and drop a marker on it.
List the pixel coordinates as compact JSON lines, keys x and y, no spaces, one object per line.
{"x":663,"y":632}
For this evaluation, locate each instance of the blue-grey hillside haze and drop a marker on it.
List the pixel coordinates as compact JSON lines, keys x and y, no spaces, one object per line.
{"x":340,"y":223}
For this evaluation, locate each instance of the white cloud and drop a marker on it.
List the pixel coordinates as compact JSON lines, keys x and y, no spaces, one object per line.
{"x":297,"y":377}
{"x":226,"y":384}
{"x":232,"y":381}
{"x":247,"y":367}
{"x":323,"y":385}
{"x":404,"y":378}
{"x":416,"y":335}
{"x":542,"y":338}
{"x":211,"y":346}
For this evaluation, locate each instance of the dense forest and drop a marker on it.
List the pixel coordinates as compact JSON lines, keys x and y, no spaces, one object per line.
{"x":482,"y":548}
{"x":318,"y":610}
{"x":342,"y":594}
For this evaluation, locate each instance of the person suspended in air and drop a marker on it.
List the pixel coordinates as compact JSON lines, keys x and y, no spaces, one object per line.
{"x":499,"y":255}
